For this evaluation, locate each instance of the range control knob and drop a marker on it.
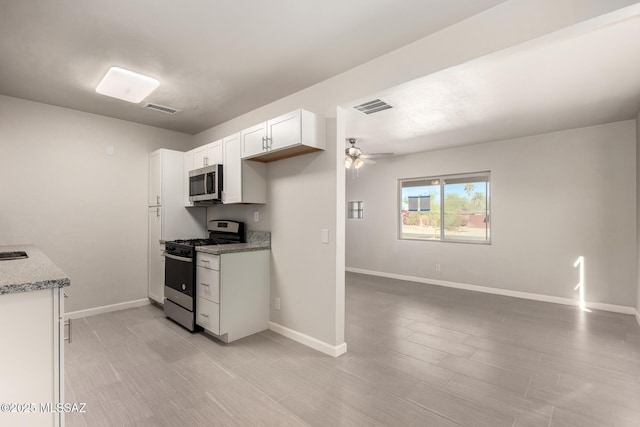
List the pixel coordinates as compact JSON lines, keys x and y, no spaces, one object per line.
{"x":184,"y":287}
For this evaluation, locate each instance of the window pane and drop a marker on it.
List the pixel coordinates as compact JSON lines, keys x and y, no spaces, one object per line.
{"x":420,"y":210}
{"x":466,"y":209}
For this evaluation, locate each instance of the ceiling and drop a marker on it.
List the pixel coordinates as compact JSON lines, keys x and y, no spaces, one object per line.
{"x":215,"y":59}
{"x":567,"y":81}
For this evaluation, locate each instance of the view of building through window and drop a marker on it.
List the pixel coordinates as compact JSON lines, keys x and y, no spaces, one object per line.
{"x":463,"y":217}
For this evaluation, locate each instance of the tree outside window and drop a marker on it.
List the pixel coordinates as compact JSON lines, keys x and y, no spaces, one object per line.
{"x":463,"y":217}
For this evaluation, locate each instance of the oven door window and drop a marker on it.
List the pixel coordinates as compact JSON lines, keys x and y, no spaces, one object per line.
{"x":197,"y":185}
{"x":178,"y":275}
{"x":212,"y":188}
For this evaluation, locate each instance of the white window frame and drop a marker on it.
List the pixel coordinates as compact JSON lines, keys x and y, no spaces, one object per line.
{"x":441,"y":179}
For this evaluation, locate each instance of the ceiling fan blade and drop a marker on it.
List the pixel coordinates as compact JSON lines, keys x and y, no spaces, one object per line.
{"x":376,"y":155}
{"x":367,"y":161}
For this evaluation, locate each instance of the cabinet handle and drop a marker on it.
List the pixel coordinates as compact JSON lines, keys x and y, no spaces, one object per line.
{"x":157,"y":212}
{"x":268,"y":140}
{"x":205,"y":284}
{"x":68,"y":323}
{"x":204,"y":315}
{"x":157,"y":200}
{"x":206,"y":161}
{"x":264,"y":143}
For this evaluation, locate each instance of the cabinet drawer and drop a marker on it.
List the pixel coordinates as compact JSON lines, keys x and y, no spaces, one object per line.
{"x":208,"y":282}
{"x":208,"y":315}
{"x":208,"y":261}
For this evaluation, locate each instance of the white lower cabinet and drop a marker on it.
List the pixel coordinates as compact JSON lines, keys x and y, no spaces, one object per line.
{"x":208,"y":284}
{"x":32,"y":357}
{"x":233,"y":293}
{"x":208,"y":314}
{"x":156,"y":256}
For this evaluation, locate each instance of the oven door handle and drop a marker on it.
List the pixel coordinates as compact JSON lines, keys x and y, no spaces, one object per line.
{"x":178,"y":258}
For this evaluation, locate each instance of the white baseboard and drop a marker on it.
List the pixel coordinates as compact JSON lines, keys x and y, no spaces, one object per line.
{"x":106,"y":309}
{"x":516,"y":294}
{"x":316,"y":344}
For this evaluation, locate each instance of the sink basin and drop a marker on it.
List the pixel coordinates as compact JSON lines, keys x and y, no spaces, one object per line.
{"x":13,"y":255}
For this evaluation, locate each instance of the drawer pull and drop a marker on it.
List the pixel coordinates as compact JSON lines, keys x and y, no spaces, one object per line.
{"x":204,"y":315}
{"x":205,"y":284}
{"x":68,"y":338}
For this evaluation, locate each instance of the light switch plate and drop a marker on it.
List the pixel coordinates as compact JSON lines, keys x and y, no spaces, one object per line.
{"x":324,"y":235}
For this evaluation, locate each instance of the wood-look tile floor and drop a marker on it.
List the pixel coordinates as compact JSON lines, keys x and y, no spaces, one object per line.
{"x":418,"y":355}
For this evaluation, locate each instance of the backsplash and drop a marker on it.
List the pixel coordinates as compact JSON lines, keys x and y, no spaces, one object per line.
{"x":262,"y":237}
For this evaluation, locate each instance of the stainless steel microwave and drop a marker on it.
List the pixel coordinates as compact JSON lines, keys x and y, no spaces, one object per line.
{"x":205,"y":184}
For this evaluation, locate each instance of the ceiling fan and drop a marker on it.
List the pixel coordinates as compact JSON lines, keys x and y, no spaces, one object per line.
{"x":355,"y":157}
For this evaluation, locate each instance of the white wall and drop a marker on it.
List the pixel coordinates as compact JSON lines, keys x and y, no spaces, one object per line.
{"x":475,"y":37}
{"x":555,"y":197}
{"x":242,"y":213}
{"x":86,"y":210}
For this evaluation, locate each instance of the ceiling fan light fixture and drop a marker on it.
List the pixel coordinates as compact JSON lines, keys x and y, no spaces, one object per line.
{"x":348,"y":161}
{"x":126,"y":85}
{"x":358,"y":163}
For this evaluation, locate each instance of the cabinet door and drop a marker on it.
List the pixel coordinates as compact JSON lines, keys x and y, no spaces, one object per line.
{"x":155,"y":178}
{"x":200,"y":157}
{"x":284,"y":131}
{"x":214,"y":153}
{"x":156,"y":261}
{"x":208,"y":284}
{"x":30,"y":341}
{"x":232,"y":171}
{"x":208,"y":315}
{"x":188,"y":166}
{"x":252,"y":140}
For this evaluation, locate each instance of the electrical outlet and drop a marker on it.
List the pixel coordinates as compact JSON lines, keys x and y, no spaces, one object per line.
{"x":276,"y":303}
{"x":437,"y":267}
{"x":256,"y":216}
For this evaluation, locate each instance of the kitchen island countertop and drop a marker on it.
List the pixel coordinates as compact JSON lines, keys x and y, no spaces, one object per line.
{"x":34,"y":273}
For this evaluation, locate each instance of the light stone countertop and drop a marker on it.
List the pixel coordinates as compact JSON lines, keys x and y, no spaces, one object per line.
{"x":30,"y":274}
{"x":233,"y":248}
{"x":256,"y":241}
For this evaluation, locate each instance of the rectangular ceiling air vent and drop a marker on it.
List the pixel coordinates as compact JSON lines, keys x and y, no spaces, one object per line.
{"x":161,"y":108}
{"x":373,"y":106}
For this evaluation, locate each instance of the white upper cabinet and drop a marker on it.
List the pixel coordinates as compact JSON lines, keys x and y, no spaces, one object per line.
{"x":254,"y":140}
{"x":188,"y":166}
{"x":155,"y":178}
{"x":243,"y":182}
{"x":292,"y":134}
{"x":284,"y":131}
{"x":207,"y":155}
{"x":214,"y":153}
{"x":199,"y":157}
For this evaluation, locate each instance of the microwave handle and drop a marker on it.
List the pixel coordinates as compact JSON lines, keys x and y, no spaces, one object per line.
{"x":207,"y":184}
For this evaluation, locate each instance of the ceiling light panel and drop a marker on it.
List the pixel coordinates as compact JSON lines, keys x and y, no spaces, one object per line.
{"x":126,"y":85}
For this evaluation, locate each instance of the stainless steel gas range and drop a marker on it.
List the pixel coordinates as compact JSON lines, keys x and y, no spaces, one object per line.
{"x":180,"y":270}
